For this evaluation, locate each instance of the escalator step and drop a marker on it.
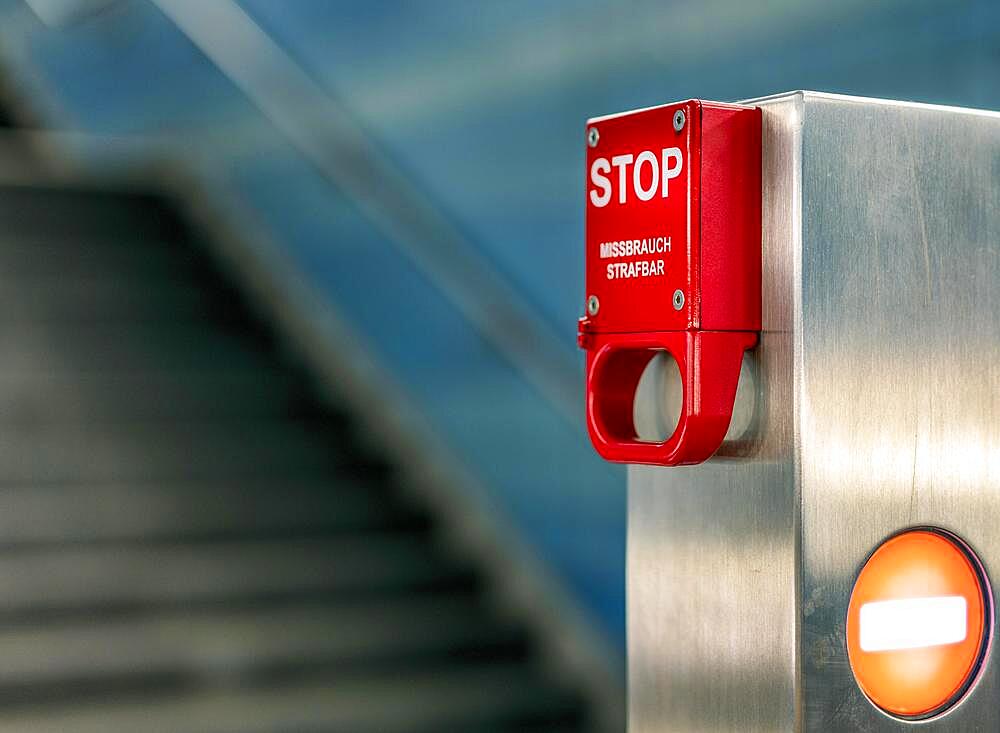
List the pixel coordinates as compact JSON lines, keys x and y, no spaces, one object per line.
{"x":512,"y":695}
{"x":107,"y":578}
{"x":34,"y":515}
{"x":245,"y":646}
{"x":176,"y":452}
{"x":40,"y":397}
{"x":76,"y":301}
{"x":113,"y":258}
{"x":70,"y":214}
{"x":190,"y":540}
{"x":125,"y":347}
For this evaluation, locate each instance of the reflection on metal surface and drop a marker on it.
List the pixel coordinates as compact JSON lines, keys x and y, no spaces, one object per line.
{"x":901,"y":286}
{"x":913,"y":623}
{"x":715,"y":544}
{"x":918,"y":623}
{"x":877,"y":380}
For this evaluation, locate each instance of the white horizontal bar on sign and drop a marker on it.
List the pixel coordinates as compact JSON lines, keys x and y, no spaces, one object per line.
{"x":912,"y":623}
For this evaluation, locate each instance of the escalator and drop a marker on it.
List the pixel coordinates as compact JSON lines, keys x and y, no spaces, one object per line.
{"x":190,"y":538}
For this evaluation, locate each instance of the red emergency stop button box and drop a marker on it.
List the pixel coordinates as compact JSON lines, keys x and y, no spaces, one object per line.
{"x":673,"y":242}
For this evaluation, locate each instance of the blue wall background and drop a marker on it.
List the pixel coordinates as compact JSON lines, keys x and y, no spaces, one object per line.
{"x":483,"y":105}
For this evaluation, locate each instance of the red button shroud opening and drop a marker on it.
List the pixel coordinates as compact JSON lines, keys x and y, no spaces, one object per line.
{"x":673,"y":239}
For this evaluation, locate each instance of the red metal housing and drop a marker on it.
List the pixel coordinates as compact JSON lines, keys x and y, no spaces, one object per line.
{"x":673,"y":263}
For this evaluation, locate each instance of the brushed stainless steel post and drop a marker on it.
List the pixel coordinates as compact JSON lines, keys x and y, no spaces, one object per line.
{"x":876,"y":407}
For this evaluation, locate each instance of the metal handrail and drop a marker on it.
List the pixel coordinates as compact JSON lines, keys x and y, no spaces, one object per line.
{"x":332,"y":141}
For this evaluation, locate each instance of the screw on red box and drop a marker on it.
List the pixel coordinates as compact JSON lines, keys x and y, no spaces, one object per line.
{"x":673,"y":264}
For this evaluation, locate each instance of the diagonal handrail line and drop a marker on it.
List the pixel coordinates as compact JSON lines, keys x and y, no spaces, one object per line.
{"x":339,"y":148}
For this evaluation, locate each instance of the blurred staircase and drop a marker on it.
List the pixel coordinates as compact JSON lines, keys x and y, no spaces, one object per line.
{"x":190,"y":540}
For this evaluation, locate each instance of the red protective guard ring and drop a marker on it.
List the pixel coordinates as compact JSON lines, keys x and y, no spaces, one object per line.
{"x":709,"y":363}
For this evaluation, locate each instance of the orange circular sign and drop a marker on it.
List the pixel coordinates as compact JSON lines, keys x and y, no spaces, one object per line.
{"x":918,"y":623}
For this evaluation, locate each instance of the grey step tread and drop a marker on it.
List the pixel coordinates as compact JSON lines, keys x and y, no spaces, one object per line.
{"x":245,"y":644}
{"x":179,"y":451}
{"x":126,"y":347}
{"x":189,"y":541}
{"x":536,"y":726}
{"x":37,"y":396}
{"x":141,"y":575}
{"x":22,"y":258}
{"x":33,"y":514}
{"x":17,"y":152}
{"x":58,"y":298}
{"x":454,"y":699}
{"x":67,"y":213}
